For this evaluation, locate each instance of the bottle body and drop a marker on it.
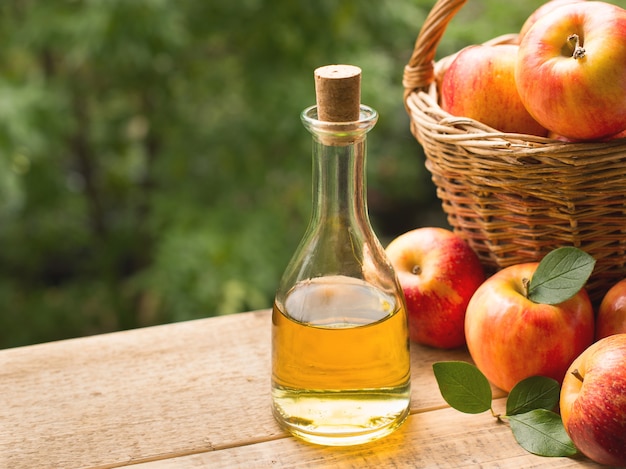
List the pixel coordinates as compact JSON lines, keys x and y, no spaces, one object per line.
{"x":342,"y":379}
{"x":340,"y":349}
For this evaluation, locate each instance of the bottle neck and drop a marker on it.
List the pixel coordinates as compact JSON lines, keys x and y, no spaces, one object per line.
{"x":339,"y":183}
{"x":339,"y":159}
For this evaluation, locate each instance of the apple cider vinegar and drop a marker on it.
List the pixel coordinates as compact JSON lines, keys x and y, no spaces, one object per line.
{"x":341,"y":371}
{"x":340,"y":340}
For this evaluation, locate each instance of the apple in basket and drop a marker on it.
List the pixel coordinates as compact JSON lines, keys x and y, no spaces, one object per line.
{"x":512,"y":336}
{"x":570,"y":70}
{"x":593,"y":401}
{"x":438,"y":272}
{"x":542,"y":11}
{"x":480,"y":83}
{"x":611,"y":317}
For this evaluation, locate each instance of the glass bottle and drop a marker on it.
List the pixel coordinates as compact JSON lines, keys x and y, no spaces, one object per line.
{"x":340,"y":344}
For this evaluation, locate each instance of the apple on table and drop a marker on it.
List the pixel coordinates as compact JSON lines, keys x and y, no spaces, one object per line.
{"x":438,"y":272}
{"x":611,"y":317}
{"x":510,"y":337}
{"x":593,"y":401}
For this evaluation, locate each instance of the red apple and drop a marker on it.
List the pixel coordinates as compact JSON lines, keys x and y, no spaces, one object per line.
{"x":480,"y":84}
{"x":438,"y":273}
{"x":611,"y":318}
{"x":542,"y":11}
{"x":570,"y":70}
{"x":593,"y":401}
{"x":511,"y":338}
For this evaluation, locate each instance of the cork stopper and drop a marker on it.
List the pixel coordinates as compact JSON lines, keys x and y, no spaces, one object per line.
{"x":338,"y":93}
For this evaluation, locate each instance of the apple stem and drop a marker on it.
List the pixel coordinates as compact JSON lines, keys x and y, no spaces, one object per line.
{"x":578,"y":376}
{"x":526,"y":285}
{"x":579,"y":51}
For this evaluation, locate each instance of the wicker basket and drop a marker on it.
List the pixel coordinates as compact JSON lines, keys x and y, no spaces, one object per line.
{"x":514,"y":197}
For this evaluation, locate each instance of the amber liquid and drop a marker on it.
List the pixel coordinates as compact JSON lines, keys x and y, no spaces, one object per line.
{"x":340,"y":362}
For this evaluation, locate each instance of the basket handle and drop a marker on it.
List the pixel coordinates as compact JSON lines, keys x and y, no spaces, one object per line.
{"x":419,"y":73}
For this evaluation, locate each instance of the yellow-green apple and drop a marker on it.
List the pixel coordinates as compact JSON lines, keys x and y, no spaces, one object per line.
{"x":593,"y":401}
{"x":480,"y":84}
{"x":611,"y":317}
{"x":510,"y":337}
{"x":570,"y":70}
{"x":438,"y":272}
{"x":542,"y":11}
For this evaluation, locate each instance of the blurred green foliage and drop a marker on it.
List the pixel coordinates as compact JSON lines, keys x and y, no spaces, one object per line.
{"x":153,"y":167}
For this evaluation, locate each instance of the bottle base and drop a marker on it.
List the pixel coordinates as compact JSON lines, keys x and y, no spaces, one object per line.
{"x":340,"y":418}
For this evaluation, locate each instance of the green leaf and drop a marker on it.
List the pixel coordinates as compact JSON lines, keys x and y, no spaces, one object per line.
{"x":560,"y":275}
{"x":536,"y":392}
{"x":463,"y":386}
{"x":541,"y":432}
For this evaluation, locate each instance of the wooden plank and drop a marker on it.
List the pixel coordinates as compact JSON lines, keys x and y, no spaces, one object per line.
{"x":151,"y":393}
{"x":136,"y":395}
{"x":435,"y":439}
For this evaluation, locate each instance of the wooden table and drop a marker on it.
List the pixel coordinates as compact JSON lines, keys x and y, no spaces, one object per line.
{"x":196,"y":395}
